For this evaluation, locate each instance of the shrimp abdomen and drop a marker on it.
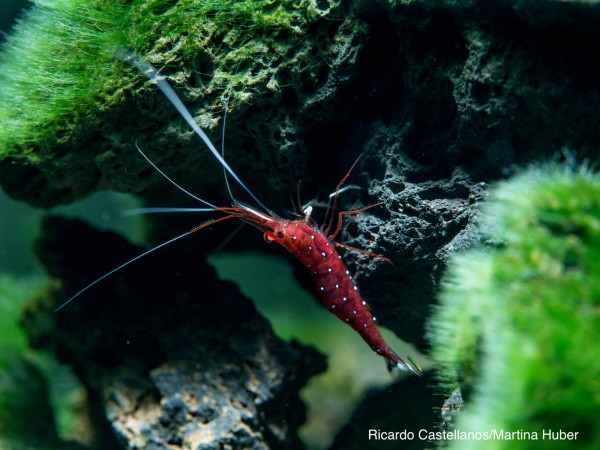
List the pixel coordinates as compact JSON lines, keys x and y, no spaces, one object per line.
{"x":334,"y":284}
{"x":335,"y":287}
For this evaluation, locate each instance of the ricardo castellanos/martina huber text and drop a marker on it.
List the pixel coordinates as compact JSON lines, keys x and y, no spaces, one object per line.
{"x":457,"y":435}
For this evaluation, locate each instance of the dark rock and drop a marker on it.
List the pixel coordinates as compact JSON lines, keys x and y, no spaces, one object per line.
{"x":175,"y":356}
{"x":407,"y":406}
{"x":419,"y":225}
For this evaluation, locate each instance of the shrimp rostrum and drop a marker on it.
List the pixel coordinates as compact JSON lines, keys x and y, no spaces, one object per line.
{"x":311,"y":244}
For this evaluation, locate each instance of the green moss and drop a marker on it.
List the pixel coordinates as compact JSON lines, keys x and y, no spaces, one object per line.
{"x":13,"y":293}
{"x":27,"y":409}
{"x":58,"y":71}
{"x":55,"y":67}
{"x":520,"y":323}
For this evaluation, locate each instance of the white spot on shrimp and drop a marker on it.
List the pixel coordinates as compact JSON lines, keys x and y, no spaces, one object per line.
{"x":324,"y":254}
{"x":294,"y":237}
{"x":308,"y":265}
{"x":310,"y":248}
{"x":347,"y":273}
{"x":339,"y":257}
{"x":354,"y":312}
{"x":355,"y":288}
{"x":312,"y":236}
{"x":378,"y":350}
{"x":329,"y":269}
{"x":364,"y":325}
{"x":345,"y":299}
{"x":364,"y":303}
{"x":347,"y":320}
{"x":374,"y":319}
{"x":337,"y":286}
{"x":333,"y":307}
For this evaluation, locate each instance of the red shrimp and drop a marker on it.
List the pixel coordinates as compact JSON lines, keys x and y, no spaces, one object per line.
{"x":314,"y":247}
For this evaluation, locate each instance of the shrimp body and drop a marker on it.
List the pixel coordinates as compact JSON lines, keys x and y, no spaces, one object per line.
{"x":335,"y":287}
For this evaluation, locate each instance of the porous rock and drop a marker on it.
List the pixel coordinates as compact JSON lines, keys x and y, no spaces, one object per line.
{"x":450,"y":98}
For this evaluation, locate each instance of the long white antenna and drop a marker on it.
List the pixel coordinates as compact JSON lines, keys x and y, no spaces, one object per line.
{"x":152,"y":73}
{"x":223,"y":150}
{"x":120,"y":267}
{"x":171,"y":181}
{"x":166,"y":210}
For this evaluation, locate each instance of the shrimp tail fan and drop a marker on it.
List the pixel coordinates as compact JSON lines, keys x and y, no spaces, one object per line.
{"x":397,"y":366}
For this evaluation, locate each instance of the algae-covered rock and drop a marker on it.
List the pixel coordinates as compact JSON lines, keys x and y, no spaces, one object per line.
{"x":273,"y":63}
{"x":518,"y":324}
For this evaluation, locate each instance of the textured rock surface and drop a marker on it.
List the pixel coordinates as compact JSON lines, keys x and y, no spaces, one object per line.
{"x":176,"y":358}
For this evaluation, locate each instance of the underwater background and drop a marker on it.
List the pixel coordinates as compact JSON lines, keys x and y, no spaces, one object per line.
{"x":478,"y":128}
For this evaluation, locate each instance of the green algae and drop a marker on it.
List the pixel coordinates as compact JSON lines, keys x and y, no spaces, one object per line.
{"x":519,"y":324}
{"x":55,"y":68}
{"x":29,"y":401}
{"x":59,"y":71}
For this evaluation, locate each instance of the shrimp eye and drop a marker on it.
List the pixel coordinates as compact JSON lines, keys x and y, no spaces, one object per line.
{"x":280,"y":234}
